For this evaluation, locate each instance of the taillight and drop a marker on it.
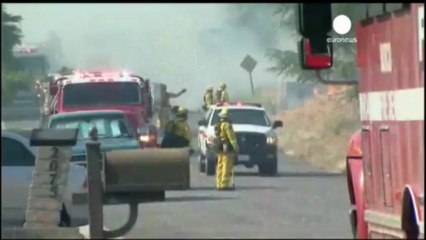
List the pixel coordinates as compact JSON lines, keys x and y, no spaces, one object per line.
{"x":355,"y":151}
{"x":152,"y":136}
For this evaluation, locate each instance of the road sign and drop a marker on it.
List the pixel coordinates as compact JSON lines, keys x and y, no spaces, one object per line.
{"x":248,"y":63}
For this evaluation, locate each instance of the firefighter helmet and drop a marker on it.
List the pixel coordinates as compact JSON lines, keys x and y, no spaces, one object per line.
{"x":181,"y":112}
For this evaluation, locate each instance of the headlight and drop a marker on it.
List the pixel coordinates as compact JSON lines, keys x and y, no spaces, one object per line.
{"x":146,"y":134}
{"x":271,"y":138}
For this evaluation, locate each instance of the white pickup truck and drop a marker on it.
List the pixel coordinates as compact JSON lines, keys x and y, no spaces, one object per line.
{"x":255,"y":135}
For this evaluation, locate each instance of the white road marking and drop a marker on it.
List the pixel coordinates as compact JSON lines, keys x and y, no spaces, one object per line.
{"x":398,"y":105}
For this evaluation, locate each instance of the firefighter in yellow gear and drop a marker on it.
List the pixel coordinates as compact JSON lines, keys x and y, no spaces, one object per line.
{"x":223,"y":96}
{"x":226,"y":151}
{"x":164,"y":114}
{"x":208,"y":98}
{"x":177,"y":131}
{"x":217,"y":96}
{"x":182,"y":128}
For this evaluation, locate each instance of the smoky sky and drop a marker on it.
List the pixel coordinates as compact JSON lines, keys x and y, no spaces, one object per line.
{"x":182,"y":45}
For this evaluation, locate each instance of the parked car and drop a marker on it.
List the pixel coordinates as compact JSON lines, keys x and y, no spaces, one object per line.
{"x":17,"y":166}
{"x":114,"y":130}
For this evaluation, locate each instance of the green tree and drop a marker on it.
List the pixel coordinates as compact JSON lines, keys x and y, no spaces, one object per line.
{"x":12,"y":78}
{"x":12,"y":81}
{"x":10,"y":36}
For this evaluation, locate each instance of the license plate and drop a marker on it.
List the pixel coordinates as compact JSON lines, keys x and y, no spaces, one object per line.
{"x":243,"y":158}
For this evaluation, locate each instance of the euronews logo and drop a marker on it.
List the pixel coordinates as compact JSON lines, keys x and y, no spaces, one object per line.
{"x":341,"y":25}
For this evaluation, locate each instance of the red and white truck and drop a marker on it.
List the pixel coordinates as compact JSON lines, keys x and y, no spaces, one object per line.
{"x":385,"y":158}
{"x":113,"y":90}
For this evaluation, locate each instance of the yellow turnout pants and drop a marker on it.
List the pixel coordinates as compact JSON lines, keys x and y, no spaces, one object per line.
{"x":225,"y":163}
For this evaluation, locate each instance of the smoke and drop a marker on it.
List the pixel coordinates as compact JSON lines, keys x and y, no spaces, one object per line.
{"x":182,"y":45}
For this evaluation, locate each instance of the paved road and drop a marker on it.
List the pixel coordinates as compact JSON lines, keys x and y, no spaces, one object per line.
{"x":299,"y":203}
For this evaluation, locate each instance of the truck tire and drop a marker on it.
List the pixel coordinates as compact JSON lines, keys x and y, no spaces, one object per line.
{"x":269,"y":168}
{"x":202,"y":162}
{"x":210,"y":164}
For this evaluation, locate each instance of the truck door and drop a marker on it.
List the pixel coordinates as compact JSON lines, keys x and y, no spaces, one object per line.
{"x":386,"y":162}
{"x":366,"y":158}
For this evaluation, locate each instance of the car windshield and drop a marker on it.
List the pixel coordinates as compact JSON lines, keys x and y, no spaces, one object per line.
{"x":101,"y":94}
{"x":244,"y":116}
{"x":108,"y":126}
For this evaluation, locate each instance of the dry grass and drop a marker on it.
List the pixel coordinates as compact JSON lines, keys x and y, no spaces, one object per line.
{"x":319,"y":131}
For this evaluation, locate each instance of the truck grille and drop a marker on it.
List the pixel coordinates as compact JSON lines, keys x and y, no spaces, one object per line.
{"x":250,"y":142}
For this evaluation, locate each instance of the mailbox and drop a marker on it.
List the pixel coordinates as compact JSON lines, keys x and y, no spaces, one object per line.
{"x":146,"y":170}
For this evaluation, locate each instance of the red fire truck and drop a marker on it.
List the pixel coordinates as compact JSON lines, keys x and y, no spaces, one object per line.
{"x":118,"y":90}
{"x":385,"y":159}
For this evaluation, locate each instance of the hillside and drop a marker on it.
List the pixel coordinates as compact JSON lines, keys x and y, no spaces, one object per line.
{"x":319,"y":130}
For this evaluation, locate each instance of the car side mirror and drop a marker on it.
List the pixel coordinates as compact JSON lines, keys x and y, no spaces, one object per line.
{"x":202,"y":122}
{"x":277,"y":124}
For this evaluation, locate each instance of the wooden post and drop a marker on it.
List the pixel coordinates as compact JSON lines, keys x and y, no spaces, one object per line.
{"x":95,"y":187}
{"x":46,"y":193}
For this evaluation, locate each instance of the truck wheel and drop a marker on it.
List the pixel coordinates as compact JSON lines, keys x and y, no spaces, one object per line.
{"x":269,"y":168}
{"x":202,"y":162}
{"x":210,"y":165}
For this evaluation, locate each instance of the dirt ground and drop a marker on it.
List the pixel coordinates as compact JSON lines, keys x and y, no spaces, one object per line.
{"x":319,"y":130}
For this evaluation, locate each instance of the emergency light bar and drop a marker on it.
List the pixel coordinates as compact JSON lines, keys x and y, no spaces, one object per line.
{"x":79,"y":73}
{"x":238,"y":104}
{"x":99,"y":79}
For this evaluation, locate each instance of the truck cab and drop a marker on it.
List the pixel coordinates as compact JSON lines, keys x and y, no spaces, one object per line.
{"x":86,"y":91}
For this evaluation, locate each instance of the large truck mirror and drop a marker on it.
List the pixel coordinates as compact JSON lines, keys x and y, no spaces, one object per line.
{"x":316,"y":53}
{"x":314,"y":19}
{"x":53,"y":89}
{"x":314,"y":25}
